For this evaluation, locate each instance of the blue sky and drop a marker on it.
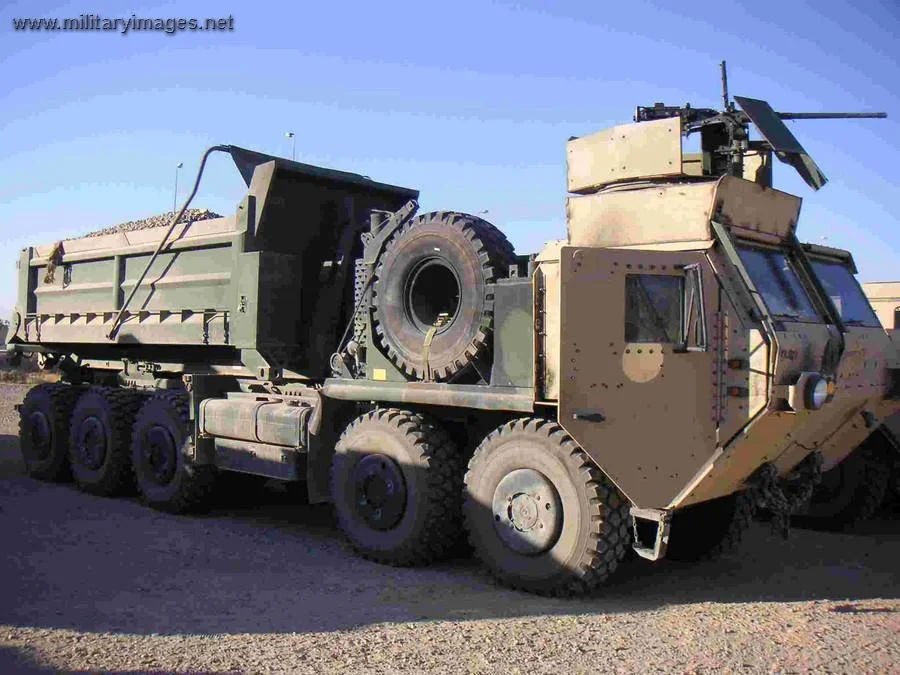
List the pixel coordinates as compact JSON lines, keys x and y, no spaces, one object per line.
{"x":470,"y":102}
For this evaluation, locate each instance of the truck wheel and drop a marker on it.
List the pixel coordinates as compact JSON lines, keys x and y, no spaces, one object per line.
{"x":44,"y":430}
{"x":710,"y":529}
{"x":161,"y":445}
{"x":539,"y":514}
{"x":438,"y":263}
{"x":395,"y":485}
{"x":100,"y":440}
{"x":850,"y":492}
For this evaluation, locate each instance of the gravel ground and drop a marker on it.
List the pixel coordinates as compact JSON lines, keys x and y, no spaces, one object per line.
{"x":108,"y":585}
{"x":160,"y":220}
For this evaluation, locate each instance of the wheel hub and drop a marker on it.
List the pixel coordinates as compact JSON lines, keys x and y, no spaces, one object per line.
{"x":91,"y":443}
{"x":527,"y":512}
{"x":41,"y":435}
{"x":160,"y":454}
{"x":379,"y":491}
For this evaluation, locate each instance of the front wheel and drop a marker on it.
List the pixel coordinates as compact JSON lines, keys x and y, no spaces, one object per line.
{"x":852,"y":491}
{"x":540,"y":515}
{"x":711,"y":529}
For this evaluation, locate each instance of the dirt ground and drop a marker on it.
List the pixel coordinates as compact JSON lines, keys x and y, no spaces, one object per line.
{"x":95,"y":584}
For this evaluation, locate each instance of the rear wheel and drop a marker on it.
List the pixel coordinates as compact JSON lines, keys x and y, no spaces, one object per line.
{"x":100,"y":440}
{"x":395,"y":485}
{"x":710,"y":529}
{"x":539,"y":514}
{"x":852,"y":491}
{"x":44,"y":430}
{"x":161,"y":449}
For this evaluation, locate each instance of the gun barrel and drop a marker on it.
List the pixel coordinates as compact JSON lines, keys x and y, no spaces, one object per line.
{"x":831,"y":116}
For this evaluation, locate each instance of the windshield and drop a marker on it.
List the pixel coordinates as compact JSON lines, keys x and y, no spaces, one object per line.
{"x":778,"y":284}
{"x":845,"y":293}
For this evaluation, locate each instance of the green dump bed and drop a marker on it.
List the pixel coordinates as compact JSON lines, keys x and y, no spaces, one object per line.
{"x":273,"y":281}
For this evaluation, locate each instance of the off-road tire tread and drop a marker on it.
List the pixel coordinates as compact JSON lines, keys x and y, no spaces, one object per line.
{"x":688,"y":549}
{"x":869,"y":495}
{"x":62,"y":398}
{"x":600,"y":559}
{"x":439,"y":536}
{"x":124,"y":405}
{"x":496,"y":254}
{"x":198,"y":483}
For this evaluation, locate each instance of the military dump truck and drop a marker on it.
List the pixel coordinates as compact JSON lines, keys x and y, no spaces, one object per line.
{"x":641,"y":385}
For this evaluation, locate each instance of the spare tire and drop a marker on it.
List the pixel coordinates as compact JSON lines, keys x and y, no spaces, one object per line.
{"x":438,"y":263}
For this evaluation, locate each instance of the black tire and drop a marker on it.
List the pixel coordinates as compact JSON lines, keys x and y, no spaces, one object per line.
{"x":852,"y":491}
{"x":100,"y":440}
{"x":396,"y":480}
{"x":44,"y":430}
{"x":711,"y":529}
{"x":439,"y":262}
{"x":572,"y":552}
{"x":893,"y":490}
{"x":161,"y":445}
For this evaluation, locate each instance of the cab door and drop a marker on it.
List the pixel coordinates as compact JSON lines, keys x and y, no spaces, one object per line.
{"x":639,"y":381}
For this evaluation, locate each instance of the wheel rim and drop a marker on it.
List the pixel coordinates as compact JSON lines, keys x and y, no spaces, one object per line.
{"x":160,"y":455}
{"x":433,"y":289}
{"x":527,"y":512}
{"x":379,"y":491}
{"x":41,"y":435}
{"x":91,"y":443}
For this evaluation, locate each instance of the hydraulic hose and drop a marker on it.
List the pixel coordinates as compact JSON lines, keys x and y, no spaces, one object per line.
{"x":118,"y":320}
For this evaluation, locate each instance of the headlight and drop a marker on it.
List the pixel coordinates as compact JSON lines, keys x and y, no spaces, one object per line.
{"x":810,"y":392}
{"x":816,"y":392}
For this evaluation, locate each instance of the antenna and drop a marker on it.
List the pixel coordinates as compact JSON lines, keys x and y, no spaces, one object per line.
{"x":725,"y":100}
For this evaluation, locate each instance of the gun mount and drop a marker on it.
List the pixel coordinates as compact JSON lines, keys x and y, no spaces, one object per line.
{"x":725,"y":139}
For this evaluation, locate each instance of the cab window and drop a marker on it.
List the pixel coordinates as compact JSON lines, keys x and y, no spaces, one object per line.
{"x":653,"y":307}
{"x":848,"y":298}
{"x":778,"y":283}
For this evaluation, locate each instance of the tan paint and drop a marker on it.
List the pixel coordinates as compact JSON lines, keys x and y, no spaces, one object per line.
{"x":753,"y":211}
{"x":643,"y":362}
{"x":624,"y":152}
{"x":659,"y":214}
{"x":663,"y":214}
{"x":659,"y":426}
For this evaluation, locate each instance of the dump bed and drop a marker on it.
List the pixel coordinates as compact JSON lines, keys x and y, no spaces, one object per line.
{"x":272,"y":283}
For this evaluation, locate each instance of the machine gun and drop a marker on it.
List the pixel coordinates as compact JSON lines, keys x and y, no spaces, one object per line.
{"x":725,"y":139}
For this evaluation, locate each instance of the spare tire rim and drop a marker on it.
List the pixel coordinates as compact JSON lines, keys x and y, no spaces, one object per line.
{"x":160,"y":454}
{"x":432,"y":288}
{"x":379,"y":491}
{"x":527,"y":512}
{"x":91,"y":442}
{"x":41,"y":435}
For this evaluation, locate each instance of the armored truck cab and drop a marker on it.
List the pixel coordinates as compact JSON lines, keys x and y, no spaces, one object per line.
{"x":672,"y":363}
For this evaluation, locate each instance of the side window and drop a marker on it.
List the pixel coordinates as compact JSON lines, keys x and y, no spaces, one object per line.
{"x":653,"y":308}
{"x":693,"y":327}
